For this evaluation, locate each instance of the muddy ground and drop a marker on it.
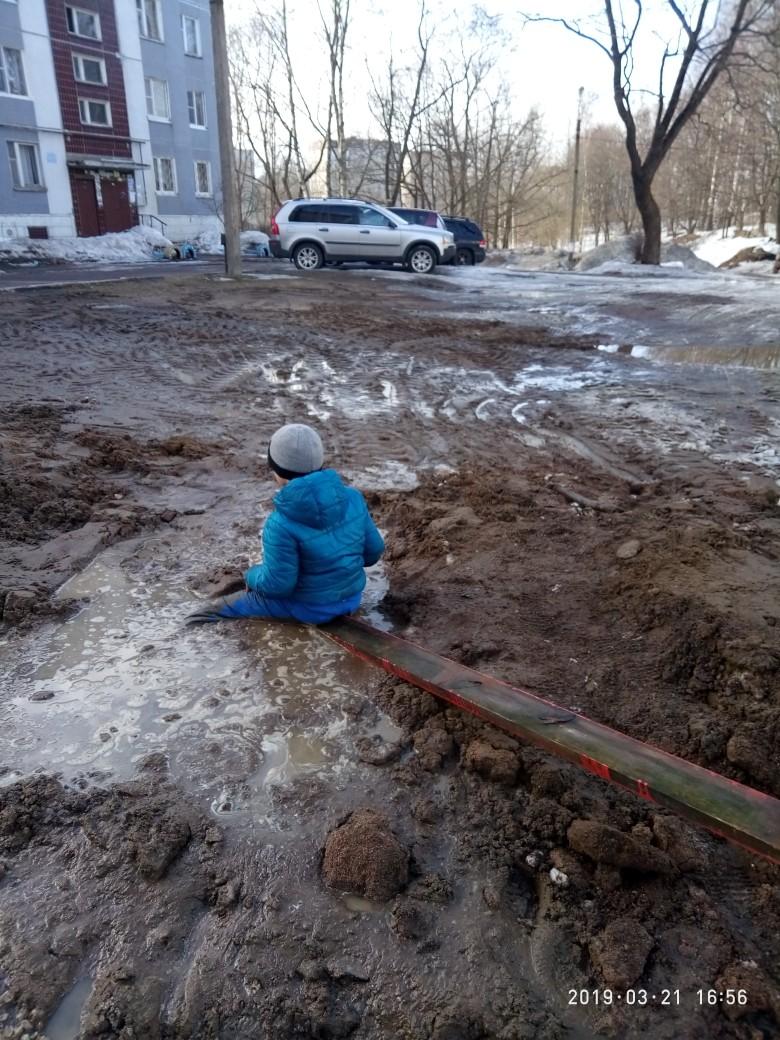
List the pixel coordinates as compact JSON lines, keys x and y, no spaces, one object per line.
{"x":595,"y":528}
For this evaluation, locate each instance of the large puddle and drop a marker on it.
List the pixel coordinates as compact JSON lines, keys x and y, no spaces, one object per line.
{"x":236,"y":708}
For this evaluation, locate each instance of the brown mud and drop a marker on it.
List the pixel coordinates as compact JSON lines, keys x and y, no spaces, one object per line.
{"x":497,"y":894}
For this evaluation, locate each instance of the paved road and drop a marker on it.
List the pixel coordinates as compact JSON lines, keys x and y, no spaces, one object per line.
{"x":52,"y":275}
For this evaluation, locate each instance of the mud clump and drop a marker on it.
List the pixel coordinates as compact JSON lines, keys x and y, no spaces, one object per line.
{"x":34,"y":506}
{"x":433,"y":744}
{"x":498,"y":764}
{"x":30,"y":807}
{"x":620,"y":952}
{"x":364,"y":857}
{"x":746,"y":977}
{"x":604,"y":844}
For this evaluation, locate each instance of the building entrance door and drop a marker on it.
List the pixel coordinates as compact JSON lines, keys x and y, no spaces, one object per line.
{"x":118,"y":213}
{"x":86,"y":206}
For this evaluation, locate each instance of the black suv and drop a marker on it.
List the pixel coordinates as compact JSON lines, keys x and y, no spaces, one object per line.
{"x":469,"y":240}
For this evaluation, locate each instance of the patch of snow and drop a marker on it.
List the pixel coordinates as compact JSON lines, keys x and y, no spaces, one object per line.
{"x":717,"y":249}
{"x":137,"y":245}
{"x":529,"y":258}
{"x":555,"y":378}
{"x":210,"y":242}
{"x":389,"y":476}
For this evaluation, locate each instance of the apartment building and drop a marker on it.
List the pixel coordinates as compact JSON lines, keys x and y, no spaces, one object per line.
{"x":107,"y":117}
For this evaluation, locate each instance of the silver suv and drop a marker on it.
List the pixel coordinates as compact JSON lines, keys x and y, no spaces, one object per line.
{"x":313,"y":232}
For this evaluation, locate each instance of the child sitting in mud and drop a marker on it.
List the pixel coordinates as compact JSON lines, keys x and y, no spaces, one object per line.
{"x":316,"y":543}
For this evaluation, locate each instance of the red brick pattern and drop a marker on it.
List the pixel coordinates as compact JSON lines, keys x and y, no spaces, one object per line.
{"x":110,"y":141}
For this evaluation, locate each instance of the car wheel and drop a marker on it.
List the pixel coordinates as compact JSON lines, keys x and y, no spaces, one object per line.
{"x":464,"y":258}
{"x":421,"y":260}
{"x":308,"y":257}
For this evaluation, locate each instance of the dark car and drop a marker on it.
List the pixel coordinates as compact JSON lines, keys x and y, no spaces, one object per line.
{"x":469,"y":240}
{"x":422,"y":217}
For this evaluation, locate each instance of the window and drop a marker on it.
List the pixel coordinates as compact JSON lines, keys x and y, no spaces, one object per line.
{"x":89,"y":70}
{"x":11,"y":72}
{"x":343,"y":214}
{"x":83,"y":23}
{"x":203,"y":178}
{"x":25,"y":166}
{"x":158,"y":102}
{"x":190,"y":28}
{"x":373,"y":218}
{"x":311,"y":214}
{"x":196,"y":104}
{"x":94,"y":113}
{"x":165,"y":176}
{"x":150,"y":19}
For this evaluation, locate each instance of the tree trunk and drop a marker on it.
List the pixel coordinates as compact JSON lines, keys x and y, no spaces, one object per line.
{"x":651,"y":219}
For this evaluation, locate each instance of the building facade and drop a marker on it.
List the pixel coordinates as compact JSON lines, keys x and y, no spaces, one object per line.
{"x":107,"y":117}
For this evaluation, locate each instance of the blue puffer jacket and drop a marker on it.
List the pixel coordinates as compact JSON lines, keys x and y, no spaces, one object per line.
{"x":316,"y":542}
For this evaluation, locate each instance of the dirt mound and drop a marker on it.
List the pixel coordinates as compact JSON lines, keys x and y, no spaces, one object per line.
{"x":549,"y":596}
{"x":363,"y":856}
{"x":121,"y":451}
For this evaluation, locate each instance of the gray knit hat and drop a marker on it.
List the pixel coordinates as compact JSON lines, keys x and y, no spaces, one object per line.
{"x":295,"y":450}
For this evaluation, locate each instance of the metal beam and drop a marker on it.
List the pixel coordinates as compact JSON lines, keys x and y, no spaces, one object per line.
{"x":746,"y":817}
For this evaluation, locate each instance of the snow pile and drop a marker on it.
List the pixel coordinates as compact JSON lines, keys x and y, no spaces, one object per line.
{"x":208,"y":241}
{"x":717,"y":248}
{"x":624,"y":250}
{"x":529,"y":258}
{"x":251,"y":242}
{"x":134,"y":246}
{"x":620,"y":256}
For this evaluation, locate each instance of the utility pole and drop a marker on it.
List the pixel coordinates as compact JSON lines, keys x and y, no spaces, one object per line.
{"x":225,"y":127}
{"x":575,"y":189}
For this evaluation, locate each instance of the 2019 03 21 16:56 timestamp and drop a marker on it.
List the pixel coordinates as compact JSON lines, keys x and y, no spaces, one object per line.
{"x":663,"y":998}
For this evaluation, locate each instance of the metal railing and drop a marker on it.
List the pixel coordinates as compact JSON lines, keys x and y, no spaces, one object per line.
{"x":151,"y":220}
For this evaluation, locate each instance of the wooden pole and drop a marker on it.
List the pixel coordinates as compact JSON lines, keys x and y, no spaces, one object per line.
{"x":225,"y":127}
{"x":576,"y":185}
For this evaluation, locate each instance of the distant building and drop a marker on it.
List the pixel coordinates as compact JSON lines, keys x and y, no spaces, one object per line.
{"x":365,"y":167}
{"x":107,"y":117}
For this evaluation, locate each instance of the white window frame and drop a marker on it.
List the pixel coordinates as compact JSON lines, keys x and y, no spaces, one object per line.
{"x":4,"y":63}
{"x":90,"y":14}
{"x":143,"y":23}
{"x":198,"y":52}
{"x":78,"y":69}
{"x":16,"y":166}
{"x":150,"y":96}
{"x":198,"y":193}
{"x":86,"y":102}
{"x":194,"y":94}
{"x":156,"y":160}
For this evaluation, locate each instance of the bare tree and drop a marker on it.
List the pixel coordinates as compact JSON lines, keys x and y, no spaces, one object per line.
{"x":274,"y":117}
{"x":706,"y":42}
{"x":335,"y":27}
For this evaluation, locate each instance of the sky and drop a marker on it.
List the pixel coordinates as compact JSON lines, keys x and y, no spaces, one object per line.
{"x":543,"y":64}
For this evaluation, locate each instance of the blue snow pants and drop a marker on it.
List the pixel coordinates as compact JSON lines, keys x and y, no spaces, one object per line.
{"x":255,"y":605}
